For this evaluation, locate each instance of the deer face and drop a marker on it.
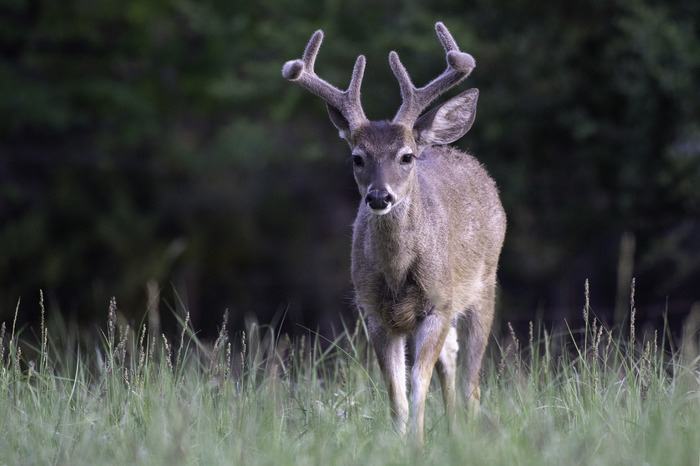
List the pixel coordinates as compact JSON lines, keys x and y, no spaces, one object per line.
{"x":384,"y":154}
{"x":383,"y":159}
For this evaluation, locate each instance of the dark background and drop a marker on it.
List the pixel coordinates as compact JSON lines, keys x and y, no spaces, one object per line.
{"x":156,"y":141}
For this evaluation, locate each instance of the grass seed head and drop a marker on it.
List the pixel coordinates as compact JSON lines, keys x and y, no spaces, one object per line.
{"x":2,"y":344}
{"x":633,"y":313}
{"x":182,"y":339}
{"x":168,"y":353}
{"x":587,"y":306}
{"x":111,"y":321}
{"x":44,"y":334}
{"x":243,"y":353}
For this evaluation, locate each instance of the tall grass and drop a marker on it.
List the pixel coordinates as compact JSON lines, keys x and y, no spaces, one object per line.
{"x":590,"y":396}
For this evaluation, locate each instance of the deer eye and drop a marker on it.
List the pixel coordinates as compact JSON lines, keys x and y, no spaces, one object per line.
{"x":358,"y":161}
{"x":407,"y":158}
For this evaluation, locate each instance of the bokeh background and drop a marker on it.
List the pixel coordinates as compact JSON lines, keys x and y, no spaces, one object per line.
{"x":153,"y":145}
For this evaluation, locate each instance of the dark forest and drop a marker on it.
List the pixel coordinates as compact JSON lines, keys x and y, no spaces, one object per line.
{"x":152,"y":149}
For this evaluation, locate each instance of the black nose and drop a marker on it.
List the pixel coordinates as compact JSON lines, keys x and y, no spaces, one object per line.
{"x":379,"y":199}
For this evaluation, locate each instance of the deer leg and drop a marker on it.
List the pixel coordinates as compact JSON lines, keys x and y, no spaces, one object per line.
{"x":475,"y":347}
{"x":429,"y":339}
{"x":446,"y":367}
{"x":390,"y":351}
{"x":476,"y":328}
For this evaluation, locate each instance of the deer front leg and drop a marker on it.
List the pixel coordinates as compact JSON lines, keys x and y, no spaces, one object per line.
{"x":429,"y":340}
{"x":390,"y":351}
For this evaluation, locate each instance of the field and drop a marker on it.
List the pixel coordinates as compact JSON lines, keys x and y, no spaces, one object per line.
{"x":126,"y":396}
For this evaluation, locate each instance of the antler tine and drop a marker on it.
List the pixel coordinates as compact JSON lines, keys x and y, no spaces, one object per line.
{"x":311,"y":50}
{"x":348,"y":101}
{"x":448,"y":42}
{"x":415,"y":100}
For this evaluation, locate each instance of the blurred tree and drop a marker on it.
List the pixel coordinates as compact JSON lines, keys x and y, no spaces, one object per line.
{"x":156,"y":140}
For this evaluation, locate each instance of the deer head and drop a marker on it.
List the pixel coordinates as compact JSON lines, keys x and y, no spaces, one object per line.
{"x":383,"y":152}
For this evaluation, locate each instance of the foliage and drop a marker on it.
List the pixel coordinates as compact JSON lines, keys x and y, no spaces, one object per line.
{"x":156,"y":140}
{"x":132,"y":396}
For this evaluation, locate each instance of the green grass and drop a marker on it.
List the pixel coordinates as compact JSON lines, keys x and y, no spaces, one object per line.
{"x":128,"y":396}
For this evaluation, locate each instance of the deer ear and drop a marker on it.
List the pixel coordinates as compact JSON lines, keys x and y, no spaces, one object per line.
{"x":447,"y":122}
{"x":339,"y":121}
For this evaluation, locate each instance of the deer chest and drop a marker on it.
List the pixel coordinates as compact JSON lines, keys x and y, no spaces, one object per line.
{"x":399,"y":309}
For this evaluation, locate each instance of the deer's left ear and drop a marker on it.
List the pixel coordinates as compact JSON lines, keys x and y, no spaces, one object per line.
{"x":447,"y":122}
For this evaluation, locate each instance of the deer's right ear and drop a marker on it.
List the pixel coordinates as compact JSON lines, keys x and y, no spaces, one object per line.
{"x":339,"y":121}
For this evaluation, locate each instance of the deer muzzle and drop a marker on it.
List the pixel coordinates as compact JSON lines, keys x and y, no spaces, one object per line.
{"x":380,"y":201}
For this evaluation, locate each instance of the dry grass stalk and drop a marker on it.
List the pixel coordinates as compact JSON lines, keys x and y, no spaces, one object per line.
{"x":606,"y":354}
{"x":14,"y":323}
{"x":547,"y":355}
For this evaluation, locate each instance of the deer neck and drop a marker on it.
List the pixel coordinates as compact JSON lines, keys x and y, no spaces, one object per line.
{"x":396,"y":237}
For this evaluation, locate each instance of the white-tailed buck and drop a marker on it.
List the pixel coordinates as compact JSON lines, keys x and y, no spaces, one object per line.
{"x":428,"y":231}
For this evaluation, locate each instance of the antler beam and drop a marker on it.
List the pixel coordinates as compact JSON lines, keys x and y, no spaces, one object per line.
{"x":415,"y":100}
{"x":348,"y":101}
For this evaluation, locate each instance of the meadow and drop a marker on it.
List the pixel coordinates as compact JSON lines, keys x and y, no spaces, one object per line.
{"x":129,"y":395}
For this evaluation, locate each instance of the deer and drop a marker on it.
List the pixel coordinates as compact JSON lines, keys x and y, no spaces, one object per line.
{"x":428,"y":232}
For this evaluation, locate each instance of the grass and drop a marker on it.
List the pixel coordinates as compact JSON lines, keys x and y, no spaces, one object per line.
{"x":591,"y":396}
